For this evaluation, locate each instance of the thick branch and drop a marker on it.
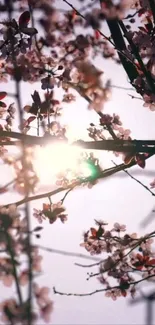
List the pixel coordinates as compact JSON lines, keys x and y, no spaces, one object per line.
{"x":120,"y":44}
{"x":25,"y":138}
{"x":147,"y":146}
{"x":138,"y":57}
{"x":106,"y":173}
{"x":133,"y":146}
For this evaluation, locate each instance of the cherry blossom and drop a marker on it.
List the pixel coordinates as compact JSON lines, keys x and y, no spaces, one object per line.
{"x":60,"y":57}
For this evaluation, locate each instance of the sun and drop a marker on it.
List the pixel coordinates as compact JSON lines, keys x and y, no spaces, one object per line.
{"x":51,"y":160}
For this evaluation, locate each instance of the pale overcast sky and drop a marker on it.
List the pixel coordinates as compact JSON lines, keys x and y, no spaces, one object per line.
{"x":117,"y":198}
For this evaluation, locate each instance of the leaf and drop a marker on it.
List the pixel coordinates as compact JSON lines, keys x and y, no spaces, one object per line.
{"x":2,"y":94}
{"x":29,"y":31}
{"x":151,"y":262}
{"x":140,"y":159}
{"x":140,"y":257}
{"x":93,"y":232}
{"x":46,"y":207}
{"x":14,"y":24}
{"x":100,"y":232}
{"x":37,"y":228}
{"x":2,"y":104}
{"x":138,"y":266}
{"x":149,"y":27}
{"x":5,"y":221}
{"x":124,"y":285}
{"x":142,"y":29}
{"x":24,"y":18}
{"x":141,"y":12}
{"x":97,"y":34}
{"x":31,"y":109}
{"x":3,"y":190}
{"x":128,"y":158}
{"x":27,"y":108}
{"x":36,"y":98}
{"x":74,"y":14}
{"x":30,"y":119}
{"x":123,"y":292}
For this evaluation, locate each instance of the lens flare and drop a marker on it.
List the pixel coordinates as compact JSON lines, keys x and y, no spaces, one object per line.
{"x":54,"y":159}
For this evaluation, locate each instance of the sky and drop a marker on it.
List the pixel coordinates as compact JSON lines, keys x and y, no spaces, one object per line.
{"x":114,"y":199}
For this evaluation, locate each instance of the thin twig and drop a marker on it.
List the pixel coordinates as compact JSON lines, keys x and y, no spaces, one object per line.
{"x":63,"y":199}
{"x":134,"y":97}
{"x":89,"y":265}
{"x":138,"y":242}
{"x":136,"y":180}
{"x":122,"y":88}
{"x":131,"y":16}
{"x":9,"y":183}
{"x":71,"y":254}
{"x":99,"y":290}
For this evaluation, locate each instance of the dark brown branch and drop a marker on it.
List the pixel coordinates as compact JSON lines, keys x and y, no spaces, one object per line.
{"x":120,"y":45}
{"x":106,"y":173}
{"x":134,"y":146}
{"x":135,"y":51}
{"x":99,"y":290}
{"x":15,"y":274}
{"x":17,"y":79}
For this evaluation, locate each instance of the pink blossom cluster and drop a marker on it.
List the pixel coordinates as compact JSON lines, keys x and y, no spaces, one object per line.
{"x":127,"y":259}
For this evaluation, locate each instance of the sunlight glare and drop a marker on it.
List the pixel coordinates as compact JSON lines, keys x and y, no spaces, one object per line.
{"x":54,"y":159}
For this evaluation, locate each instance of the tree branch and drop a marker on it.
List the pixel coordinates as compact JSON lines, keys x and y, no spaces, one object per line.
{"x":99,"y":290}
{"x":71,"y":254}
{"x":119,"y":145}
{"x":17,"y":79}
{"x":136,"y":180}
{"x":138,"y":57}
{"x":119,"y":50}
{"x":15,"y":274}
{"x":106,"y":173}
